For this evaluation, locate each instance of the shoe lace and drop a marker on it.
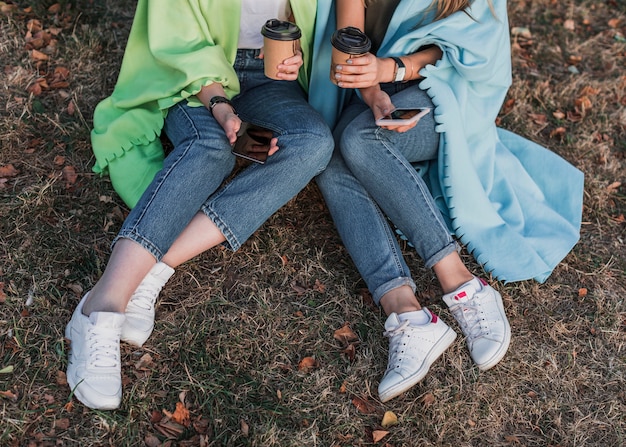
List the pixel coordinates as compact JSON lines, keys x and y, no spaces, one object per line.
{"x":104,"y":348}
{"x":145,"y":296}
{"x":395,"y":337}
{"x":470,"y":318}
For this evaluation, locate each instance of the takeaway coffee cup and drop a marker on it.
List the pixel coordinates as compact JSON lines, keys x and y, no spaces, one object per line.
{"x":280,"y":40}
{"x":347,"y":43}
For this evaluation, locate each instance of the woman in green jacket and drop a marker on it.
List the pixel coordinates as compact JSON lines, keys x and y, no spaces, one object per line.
{"x":193,"y":69}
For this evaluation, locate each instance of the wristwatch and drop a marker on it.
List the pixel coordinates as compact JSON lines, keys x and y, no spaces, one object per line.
{"x":400,"y":70}
{"x":219,"y":100}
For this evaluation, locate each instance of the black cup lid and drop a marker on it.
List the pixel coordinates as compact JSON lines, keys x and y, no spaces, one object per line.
{"x":351,"y":40}
{"x":280,"y":30}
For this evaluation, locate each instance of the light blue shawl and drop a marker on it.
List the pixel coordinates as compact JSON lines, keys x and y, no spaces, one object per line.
{"x":515,"y":205}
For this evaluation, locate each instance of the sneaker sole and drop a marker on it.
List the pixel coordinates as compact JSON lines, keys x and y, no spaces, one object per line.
{"x":444,"y":343}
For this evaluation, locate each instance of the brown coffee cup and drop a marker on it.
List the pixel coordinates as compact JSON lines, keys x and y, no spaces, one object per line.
{"x":280,"y":42}
{"x":347,"y":43}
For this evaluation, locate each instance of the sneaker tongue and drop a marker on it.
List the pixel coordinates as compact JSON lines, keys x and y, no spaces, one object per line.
{"x":392,"y":321}
{"x":112,"y":320}
{"x":462,"y":294}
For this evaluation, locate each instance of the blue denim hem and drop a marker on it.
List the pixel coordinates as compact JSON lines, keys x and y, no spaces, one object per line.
{"x":445,"y":251}
{"x":231,"y":240}
{"x":390,"y":285}
{"x":138,"y":239}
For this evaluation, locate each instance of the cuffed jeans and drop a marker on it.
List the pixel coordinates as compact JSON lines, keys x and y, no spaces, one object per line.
{"x":371,"y":178}
{"x":193,"y":173}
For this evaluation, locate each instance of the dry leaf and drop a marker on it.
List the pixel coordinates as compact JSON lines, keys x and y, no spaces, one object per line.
{"x":389,"y":419}
{"x":69,"y":175}
{"x":345,"y":334}
{"x":582,"y":292}
{"x":539,"y":118}
{"x":144,"y":363}
{"x":582,"y":104}
{"x":377,"y":435}
{"x":319,"y":286}
{"x":245,"y":428}
{"x":181,"y":415}
{"x":298,"y":288}
{"x":613,"y":186}
{"x":8,"y":171}
{"x":428,"y":399}
{"x":569,"y":24}
{"x":613,"y":23}
{"x":343,"y":388}
{"x":62,"y":424}
{"x":363,"y":405}
{"x":307,"y":364}
{"x":558,"y":115}
{"x":38,"y":56}
{"x":350,"y":352}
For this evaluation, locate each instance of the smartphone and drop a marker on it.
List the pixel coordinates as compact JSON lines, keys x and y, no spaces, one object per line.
{"x":402,"y":117}
{"x":253,"y":143}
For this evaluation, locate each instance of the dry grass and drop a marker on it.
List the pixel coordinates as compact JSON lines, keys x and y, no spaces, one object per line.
{"x":232,"y":328}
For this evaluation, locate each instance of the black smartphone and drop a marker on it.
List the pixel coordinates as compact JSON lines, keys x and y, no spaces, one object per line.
{"x":253,"y":143}
{"x":402,"y":117}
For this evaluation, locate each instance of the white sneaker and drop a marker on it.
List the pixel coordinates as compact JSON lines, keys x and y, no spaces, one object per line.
{"x":94,"y":366}
{"x":140,"y":309}
{"x":478,"y":309}
{"x":412,"y":349}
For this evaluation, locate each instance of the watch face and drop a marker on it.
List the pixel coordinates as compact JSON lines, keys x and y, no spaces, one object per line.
{"x":400,"y":74}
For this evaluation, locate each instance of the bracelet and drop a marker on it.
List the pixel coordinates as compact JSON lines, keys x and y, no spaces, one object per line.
{"x":411,"y":74}
{"x":220,"y":100}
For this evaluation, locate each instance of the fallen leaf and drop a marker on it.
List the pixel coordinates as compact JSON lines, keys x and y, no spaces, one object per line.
{"x":9,"y":395}
{"x":569,"y":24}
{"x":298,"y":288}
{"x":558,"y":115}
{"x":62,"y":424}
{"x":343,"y":388}
{"x":307,"y":364}
{"x":582,"y":104}
{"x":319,"y":286}
{"x":245,"y":428}
{"x":614,"y":186}
{"x":345,"y":334}
{"x":8,"y":171}
{"x":151,"y":441}
{"x":144,"y":363}
{"x":181,"y":415}
{"x":539,"y":118}
{"x":378,"y":435}
{"x":69,"y":175}
{"x":428,"y":399}
{"x":582,"y":292}
{"x":613,"y":23}
{"x":61,"y":378}
{"x":350,"y":352}
{"x":7,"y":370}
{"x":38,"y":56}
{"x":363,"y":405}
{"x":389,"y":419}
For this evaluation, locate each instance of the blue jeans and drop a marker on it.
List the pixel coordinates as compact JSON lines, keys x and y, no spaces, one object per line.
{"x":371,"y":178}
{"x":193,"y":173}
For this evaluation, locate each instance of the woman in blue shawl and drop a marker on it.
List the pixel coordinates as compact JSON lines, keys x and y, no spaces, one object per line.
{"x":451,"y":172}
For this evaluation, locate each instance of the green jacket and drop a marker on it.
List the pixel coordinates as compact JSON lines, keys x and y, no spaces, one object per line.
{"x":174,"y":49}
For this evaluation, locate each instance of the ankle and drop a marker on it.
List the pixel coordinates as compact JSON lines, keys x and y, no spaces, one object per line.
{"x":399,"y":301}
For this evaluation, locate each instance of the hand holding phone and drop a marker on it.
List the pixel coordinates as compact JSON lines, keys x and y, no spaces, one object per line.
{"x":402,"y":117}
{"x":253,"y":143}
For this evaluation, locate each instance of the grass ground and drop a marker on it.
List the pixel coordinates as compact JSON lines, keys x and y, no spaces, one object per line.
{"x":235,"y":330}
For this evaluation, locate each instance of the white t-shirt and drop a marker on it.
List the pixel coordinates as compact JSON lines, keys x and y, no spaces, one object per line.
{"x":254,"y":14}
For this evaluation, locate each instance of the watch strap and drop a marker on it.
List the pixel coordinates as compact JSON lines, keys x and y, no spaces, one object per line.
{"x":215,"y":100}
